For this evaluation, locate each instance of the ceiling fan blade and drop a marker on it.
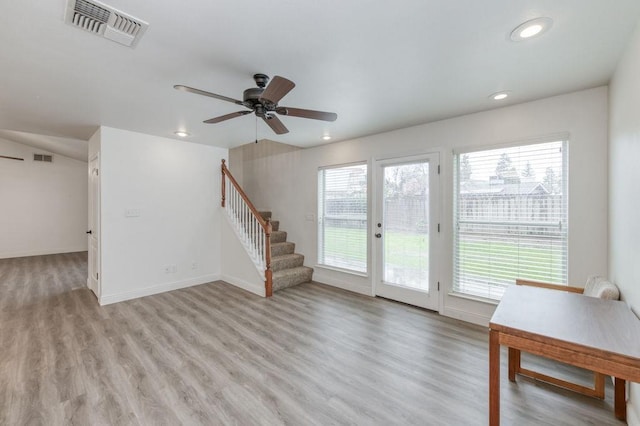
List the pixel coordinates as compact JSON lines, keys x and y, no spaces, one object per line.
{"x":226,"y":117}
{"x":275,"y":124}
{"x":277,"y":89}
{"x":307,"y":113}
{"x":204,"y":93}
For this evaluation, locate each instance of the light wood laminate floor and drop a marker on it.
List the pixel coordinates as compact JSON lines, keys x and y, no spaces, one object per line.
{"x":214,"y":354}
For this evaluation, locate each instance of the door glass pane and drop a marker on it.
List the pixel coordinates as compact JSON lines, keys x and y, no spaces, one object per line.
{"x":405,"y":225}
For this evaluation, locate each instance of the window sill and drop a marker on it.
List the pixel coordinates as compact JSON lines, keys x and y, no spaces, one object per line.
{"x":344,"y":271}
{"x":474,"y":298}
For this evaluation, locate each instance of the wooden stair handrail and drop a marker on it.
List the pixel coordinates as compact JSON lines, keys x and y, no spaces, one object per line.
{"x":265,"y":224}
{"x":256,"y":213}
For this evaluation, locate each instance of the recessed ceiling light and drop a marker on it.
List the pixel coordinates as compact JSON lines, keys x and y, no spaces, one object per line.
{"x":181,"y":133}
{"x":326,"y":137}
{"x":498,"y":96}
{"x":530,"y":31}
{"x":532,"y":28}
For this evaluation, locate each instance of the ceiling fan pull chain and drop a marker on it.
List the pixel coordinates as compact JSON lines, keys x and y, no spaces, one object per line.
{"x":256,"y":129}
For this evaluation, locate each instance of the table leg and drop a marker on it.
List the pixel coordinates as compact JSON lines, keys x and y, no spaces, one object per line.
{"x":620,"y":400}
{"x":494,"y":378}
{"x":514,"y":363}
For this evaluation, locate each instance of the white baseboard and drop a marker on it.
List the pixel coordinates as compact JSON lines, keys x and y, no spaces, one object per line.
{"x":367,"y":291}
{"x":466,"y":316}
{"x":245,"y":285}
{"x":633,"y":415}
{"x":345,"y":285}
{"x":155,"y":289}
{"x":29,"y":253}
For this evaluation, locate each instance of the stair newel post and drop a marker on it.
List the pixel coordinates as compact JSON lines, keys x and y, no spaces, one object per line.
{"x":223,"y":181}
{"x":268,"y":274}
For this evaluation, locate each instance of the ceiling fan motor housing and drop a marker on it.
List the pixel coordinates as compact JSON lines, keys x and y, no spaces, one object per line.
{"x":251,"y":99}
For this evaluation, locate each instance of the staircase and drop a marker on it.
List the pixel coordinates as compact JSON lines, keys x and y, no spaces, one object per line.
{"x":286,"y":265}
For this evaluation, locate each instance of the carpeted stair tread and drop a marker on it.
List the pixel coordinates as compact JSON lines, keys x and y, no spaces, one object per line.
{"x":290,"y":277}
{"x":275,"y":224}
{"x":278,"y":249}
{"x":286,"y":261}
{"x":287,"y":266}
{"x":278,"y":237}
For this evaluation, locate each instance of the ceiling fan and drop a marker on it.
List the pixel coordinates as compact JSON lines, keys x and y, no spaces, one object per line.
{"x":263,"y":101}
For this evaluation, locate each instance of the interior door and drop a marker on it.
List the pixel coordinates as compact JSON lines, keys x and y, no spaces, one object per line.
{"x":406,"y":230}
{"x":93,"y":233}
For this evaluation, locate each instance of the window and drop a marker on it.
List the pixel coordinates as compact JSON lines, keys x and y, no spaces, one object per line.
{"x":342,"y":217}
{"x":510,"y":214}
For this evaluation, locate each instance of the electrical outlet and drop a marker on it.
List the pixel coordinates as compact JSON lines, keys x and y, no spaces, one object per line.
{"x":167,"y":269}
{"x":194,"y":265}
{"x":132,"y":212}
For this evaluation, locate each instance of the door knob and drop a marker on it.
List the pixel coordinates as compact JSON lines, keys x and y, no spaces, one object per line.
{"x":378,"y":235}
{"x":89,"y":231}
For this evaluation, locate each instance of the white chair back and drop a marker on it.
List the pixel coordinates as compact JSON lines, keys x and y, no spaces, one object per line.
{"x":601,"y":288}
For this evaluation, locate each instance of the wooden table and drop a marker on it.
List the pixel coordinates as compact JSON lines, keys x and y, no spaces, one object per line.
{"x":599,"y":335}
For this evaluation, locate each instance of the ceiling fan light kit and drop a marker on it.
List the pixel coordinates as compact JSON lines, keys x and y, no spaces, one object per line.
{"x":263,"y":101}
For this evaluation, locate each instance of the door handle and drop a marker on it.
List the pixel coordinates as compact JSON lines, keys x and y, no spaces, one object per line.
{"x":89,"y":231}
{"x":378,"y":235}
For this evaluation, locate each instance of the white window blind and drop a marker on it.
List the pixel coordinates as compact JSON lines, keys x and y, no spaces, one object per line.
{"x":342,"y":217}
{"x":510,"y":213}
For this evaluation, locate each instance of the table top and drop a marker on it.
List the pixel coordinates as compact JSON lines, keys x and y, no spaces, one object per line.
{"x":568,"y":318}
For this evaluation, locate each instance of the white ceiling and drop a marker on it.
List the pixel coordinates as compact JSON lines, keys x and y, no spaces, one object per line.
{"x":379,"y":65}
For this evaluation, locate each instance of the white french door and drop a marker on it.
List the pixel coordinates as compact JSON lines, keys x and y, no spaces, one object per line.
{"x":406,"y":229}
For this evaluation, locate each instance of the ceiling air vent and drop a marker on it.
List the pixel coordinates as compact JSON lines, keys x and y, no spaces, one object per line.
{"x":105,"y":21}
{"x":43,"y":157}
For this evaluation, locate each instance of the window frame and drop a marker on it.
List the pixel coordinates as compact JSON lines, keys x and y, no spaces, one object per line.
{"x":320,"y":258}
{"x":564,"y":139}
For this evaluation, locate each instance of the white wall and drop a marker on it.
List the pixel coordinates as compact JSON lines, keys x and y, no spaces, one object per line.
{"x":44,"y":205}
{"x":624,"y":188}
{"x":94,"y":144}
{"x":288,"y":181}
{"x":175,"y":185}
{"x":265,"y":159}
{"x":237,"y":266}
